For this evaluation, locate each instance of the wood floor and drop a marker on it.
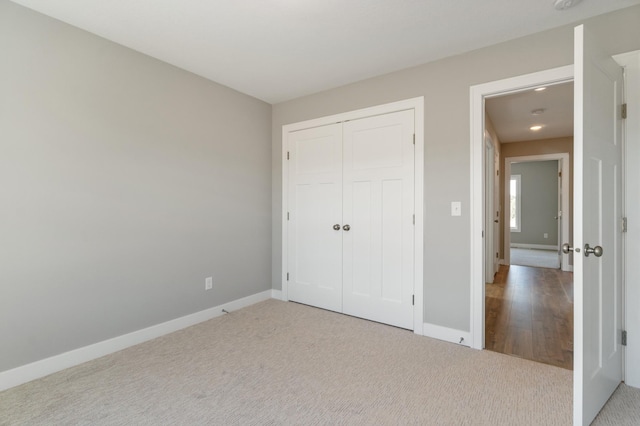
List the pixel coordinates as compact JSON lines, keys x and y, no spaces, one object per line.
{"x":529,"y":314}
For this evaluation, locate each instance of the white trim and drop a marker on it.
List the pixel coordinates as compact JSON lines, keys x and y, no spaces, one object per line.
{"x":416,"y":104}
{"x":563,"y":161}
{"x":534,"y":246}
{"x":38,"y":369}
{"x":452,"y":335}
{"x":631,"y":209}
{"x":478,"y":93}
{"x":276,"y":294}
{"x":518,"y":179}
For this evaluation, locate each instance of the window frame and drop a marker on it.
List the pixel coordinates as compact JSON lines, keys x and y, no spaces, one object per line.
{"x":518,"y":203}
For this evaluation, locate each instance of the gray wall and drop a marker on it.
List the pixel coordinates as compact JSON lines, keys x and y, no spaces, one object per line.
{"x":539,"y":202}
{"x":124,"y":182}
{"x":445,"y":85}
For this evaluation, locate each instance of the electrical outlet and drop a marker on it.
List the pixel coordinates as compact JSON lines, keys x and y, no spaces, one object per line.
{"x":208,"y":283}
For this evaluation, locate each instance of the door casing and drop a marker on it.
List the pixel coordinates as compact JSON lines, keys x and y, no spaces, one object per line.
{"x":478,"y":94}
{"x":415,"y":104}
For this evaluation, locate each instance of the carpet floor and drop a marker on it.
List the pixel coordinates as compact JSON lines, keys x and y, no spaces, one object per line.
{"x":285,"y":363}
{"x":535,"y":258}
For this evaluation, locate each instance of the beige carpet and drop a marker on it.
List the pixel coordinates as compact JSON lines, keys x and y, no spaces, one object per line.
{"x":534,"y":257}
{"x":284,"y":363}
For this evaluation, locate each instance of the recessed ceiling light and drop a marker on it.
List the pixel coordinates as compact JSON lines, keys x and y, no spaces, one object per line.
{"x":537,"y":111}
{"x":564,"y":4}
{"x":540,"y":89}
{"x":535,"y":128}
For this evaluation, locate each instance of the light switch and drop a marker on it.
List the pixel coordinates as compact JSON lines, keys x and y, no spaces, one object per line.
{"x":456,"y":208}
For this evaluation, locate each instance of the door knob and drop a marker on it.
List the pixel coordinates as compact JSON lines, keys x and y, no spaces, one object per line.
{"x":596,"y":251}
{"x":566,"y":248}
{"x":346,"y":227}
{"x":336,"y":227}
{"x":495,"y":221}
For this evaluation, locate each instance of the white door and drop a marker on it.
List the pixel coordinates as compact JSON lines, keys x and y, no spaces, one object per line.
{"x":496,"y":210}
{"x":597,"y":205}
{"x":351,"y":206}
{"x":378,"y":185}
{"x":315,"y":207}
{"x":489,"y":233}
{"x":559,"y":214}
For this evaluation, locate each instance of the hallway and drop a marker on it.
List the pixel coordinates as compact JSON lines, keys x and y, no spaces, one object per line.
{"x":529,"y":314}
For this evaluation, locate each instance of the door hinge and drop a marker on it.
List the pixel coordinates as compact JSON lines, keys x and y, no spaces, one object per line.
{"x":497,"y":172}
{"x":287,"y":276}
{"x":414,"y":138}
{"x":624,"y":224}
{"x":414,"y":219}
{"x":287,"y":215}
{"x":624,"y":111}
{"x":623,"y":340}
{"x":560,"y":174}
{"x":287,"y":155}
{"x":413,"y":299}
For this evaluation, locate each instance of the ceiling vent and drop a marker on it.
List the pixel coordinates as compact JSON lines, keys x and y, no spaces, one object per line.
{"x":564,"y":4}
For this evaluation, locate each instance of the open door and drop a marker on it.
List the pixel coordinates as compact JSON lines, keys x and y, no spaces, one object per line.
{"x":490,"y":240}
{"x":597,"y":227}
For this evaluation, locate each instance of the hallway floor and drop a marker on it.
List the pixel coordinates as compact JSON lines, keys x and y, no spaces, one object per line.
{"x":529,"y":314}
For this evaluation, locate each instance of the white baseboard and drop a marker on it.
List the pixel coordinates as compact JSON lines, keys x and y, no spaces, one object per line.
{"x":276,"y":294}
{"x":502,"y":262}
{"x":38,"y":369}
{"x":534,"y":246}
{"x":452,"y":335}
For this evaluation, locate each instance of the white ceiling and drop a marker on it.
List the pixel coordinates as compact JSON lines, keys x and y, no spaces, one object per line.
{"x":277,"y":50}
{"x":512,"y":116}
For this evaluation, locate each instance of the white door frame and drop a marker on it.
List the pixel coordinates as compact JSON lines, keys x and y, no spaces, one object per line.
{"x":631,"y":208}
{"x":416,"y":104}
{"x":563,"y":161}
{"x":478,"y":94}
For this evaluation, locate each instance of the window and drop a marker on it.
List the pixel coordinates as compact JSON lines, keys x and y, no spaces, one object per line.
{"x":514,"y":208}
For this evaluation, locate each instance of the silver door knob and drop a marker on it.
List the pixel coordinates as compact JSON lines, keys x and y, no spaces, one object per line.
{"x":596,"y":251}
{"x":346,"y":227}
{"x":336,"y":227}
{"x":566,"y":248}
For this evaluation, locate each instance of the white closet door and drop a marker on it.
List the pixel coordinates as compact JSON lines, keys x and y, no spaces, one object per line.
{"x":378,"y":208}
{"x":315,"y":207}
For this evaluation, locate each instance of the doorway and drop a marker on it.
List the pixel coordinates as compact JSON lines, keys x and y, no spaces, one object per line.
{"x":543,"y":222}
{"x":529,"y":304}
{"x":479,"y":94}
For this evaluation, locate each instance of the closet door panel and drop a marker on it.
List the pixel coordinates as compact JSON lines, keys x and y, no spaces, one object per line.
{"x":378,"y":207}
{"x":315,"y":204}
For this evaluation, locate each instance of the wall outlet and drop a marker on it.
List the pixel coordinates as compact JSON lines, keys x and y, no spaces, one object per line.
{"x":208,"y":283}
{"x":546,"y":235}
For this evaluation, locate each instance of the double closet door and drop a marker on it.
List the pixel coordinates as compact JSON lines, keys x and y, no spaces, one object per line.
{"x":351,"y":217}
